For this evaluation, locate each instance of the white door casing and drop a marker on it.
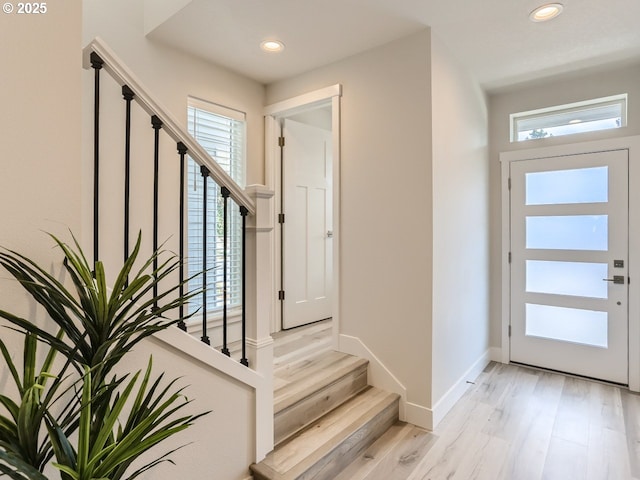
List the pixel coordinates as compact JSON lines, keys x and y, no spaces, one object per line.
{"x":274,"y":113}
{"x":569,"y":232}
{"x":307,"y":229}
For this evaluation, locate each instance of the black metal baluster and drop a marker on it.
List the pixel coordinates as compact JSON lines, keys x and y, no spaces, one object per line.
{"x":224,"y":191}
{"x":128,"y":95}
{"x":205,"y":175}
{"x":244,"y":212}
{"x":156,"y":123}
{"x":182,"y":150}
{"x":96,"y":64}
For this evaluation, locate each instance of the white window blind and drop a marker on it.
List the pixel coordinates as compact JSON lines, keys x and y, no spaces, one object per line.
{"x":221,"y":132}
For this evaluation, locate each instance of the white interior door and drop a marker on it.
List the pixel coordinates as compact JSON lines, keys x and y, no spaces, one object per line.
{"x":307,"y":229}
{"x":569,"y":242}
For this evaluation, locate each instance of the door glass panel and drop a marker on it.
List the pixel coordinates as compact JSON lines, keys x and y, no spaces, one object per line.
{"x":567,"y":278}
{"x":584,"y":185}
{"x":573,"y":325}
{"x":568,"y":232}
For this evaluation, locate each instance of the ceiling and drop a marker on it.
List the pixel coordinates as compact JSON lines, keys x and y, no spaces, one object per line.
{"x":494,"y":38}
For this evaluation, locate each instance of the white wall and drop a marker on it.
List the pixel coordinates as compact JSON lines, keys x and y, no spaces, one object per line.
{"x":40,"y":136}
{"x":172,"y":75}
{"x":215,"y":445}
{"x":385,"y":242}
{"x":414,"y":214}
{"x":567,"y":89}
{"x":40,"y":129}
{"x":460,"y":224}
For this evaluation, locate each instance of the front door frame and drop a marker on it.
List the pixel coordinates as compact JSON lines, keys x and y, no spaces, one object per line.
{"x":632,"y":144}
{"x":273,"y":113}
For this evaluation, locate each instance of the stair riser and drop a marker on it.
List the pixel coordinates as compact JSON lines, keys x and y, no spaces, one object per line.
{"x":298,"y":416}
{"x":347,"y":451}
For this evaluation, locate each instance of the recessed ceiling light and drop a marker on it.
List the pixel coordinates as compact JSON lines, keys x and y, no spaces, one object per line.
{"x":272,"y":46}
{"x":546,"y":12}
{"x":573,"y":122}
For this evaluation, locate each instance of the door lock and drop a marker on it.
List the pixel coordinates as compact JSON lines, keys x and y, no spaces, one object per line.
{"x":617,"y":279}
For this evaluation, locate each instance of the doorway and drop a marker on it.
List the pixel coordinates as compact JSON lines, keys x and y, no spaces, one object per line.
{"x":306,"y":219}
{"x":302,"y":136}
{"x":569,"y":264}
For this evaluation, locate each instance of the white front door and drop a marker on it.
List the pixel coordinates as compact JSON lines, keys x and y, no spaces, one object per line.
{"x":569,"y":264}
{"x":307,"y":229}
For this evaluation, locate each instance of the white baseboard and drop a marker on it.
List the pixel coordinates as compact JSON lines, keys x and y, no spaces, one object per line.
{"x":449,"y":399}
{"x":381,"y":377}
{"x":419,"y":415}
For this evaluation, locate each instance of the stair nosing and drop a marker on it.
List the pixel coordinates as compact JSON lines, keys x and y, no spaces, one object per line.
{"x":335,"y":376}
{"x":386,"y":401}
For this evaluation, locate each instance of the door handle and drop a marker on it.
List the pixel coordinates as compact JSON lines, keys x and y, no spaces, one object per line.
{"x":617,"y":279}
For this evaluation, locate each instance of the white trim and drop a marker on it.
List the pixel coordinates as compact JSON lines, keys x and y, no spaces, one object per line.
{"x":259,"y":191}
{"x":633,"y":145}
{"x":621,"y":99}
{"x":379,"y":375}
{"x":274,"y":113}
{"x":303,"y":102}
{"x":216,"y":108}
{"x":261,"y":343}
{"x":458,"y":389}
{"x":418,"y":415}
{"x":337,"y":235}
{"x":271,"y":155}
{"x":194,"y":348}
{"x":504,"y":262}
{"x":260,"y":308}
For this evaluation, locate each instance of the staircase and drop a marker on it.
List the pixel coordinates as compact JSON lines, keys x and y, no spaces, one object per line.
{"x":325,"y":414}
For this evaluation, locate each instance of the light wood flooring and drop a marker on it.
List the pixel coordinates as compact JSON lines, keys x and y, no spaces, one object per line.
{"x":518,"y":423}
{"x":513,"y":423}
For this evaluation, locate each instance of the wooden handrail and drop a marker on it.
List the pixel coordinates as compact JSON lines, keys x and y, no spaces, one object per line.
{"x":118,"y":70}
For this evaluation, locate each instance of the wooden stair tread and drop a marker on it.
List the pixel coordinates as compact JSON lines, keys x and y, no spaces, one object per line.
{"x":393,"y":456}
{"x":307,"y":376}
{"x":333,"y":441}
{"x":291,"y":345}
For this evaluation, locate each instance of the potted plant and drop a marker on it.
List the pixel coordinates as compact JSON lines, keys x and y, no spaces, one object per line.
{"x":70,"y":413}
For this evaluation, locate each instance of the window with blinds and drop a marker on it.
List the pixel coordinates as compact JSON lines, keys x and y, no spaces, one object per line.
{"x":221,"y":132}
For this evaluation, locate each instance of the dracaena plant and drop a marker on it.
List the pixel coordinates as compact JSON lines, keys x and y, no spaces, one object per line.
{"x":20,"y":430}
{"x":100,"y":324}
{"x":17,"y":469}
{"x":107,"y":452}
{"x":97,"y":327}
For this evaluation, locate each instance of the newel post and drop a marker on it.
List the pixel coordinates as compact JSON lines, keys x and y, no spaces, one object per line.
{"x":260,"y":308}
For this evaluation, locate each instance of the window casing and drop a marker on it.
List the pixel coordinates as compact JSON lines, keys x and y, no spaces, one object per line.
{"x":588,"y":116}
{"x":222,"y":133}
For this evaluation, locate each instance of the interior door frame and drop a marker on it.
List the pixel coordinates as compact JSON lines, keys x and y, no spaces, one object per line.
{"x":632,"y":144}
{"x":273,"y":114}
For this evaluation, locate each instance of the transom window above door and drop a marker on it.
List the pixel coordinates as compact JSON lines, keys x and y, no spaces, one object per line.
{"x":580,"y":117}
